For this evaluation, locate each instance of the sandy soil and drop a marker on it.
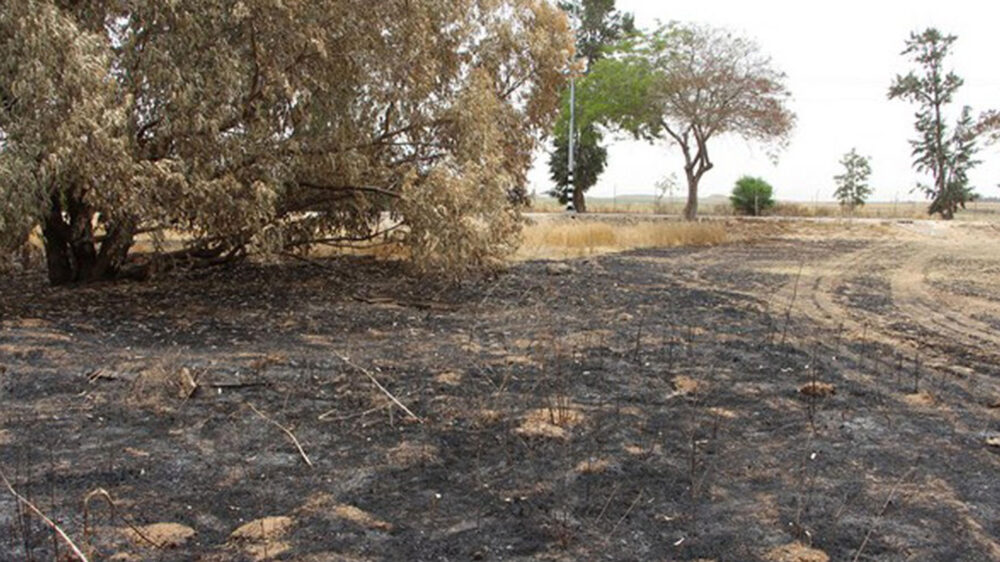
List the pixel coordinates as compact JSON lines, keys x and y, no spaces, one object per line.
{"x":828,"y":391}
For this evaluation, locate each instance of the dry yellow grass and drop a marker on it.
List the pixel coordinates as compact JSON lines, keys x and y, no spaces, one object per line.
{"x":796,"y":552}
{"x":716,"y":206}
{"x":553,"y":423}
{"x":557,"y":239}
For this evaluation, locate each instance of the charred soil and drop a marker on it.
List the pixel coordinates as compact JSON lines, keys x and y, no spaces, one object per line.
{"x":831,"y":394}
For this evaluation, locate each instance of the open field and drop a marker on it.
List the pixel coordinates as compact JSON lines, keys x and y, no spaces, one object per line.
{"x":719,"y":206}
{"x":831,"y":390}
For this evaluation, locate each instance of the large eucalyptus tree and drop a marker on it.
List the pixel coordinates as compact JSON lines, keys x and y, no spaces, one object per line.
{"x":238,"y":125}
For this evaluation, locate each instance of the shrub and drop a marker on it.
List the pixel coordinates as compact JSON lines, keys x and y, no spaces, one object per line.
{"x":752,"y":196}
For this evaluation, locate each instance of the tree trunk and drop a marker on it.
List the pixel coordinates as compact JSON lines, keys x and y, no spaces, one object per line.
{"x":691,"y":208}
{"x":56,"y":237}
{"x":71,"y":251}
{"x":579,"y":201}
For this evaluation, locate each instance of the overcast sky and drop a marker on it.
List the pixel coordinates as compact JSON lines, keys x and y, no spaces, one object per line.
{"x":840,"y":58}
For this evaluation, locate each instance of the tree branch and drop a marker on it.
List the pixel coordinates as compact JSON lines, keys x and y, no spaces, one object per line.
{"x":350,"y":188}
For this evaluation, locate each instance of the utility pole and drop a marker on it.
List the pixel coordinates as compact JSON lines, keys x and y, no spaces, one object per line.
{"x":572,"y":125}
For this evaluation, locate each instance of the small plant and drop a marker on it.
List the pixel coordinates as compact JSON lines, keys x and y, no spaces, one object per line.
{"x":665,"y":186}
{"x":752,"y":196}
{"x":852,"y":185}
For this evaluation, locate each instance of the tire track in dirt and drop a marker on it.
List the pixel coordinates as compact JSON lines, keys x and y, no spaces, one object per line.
{"x":945,"y":313}
{"x":942,"y":317}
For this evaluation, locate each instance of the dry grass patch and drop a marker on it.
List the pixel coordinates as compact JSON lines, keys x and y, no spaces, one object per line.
{"x":408,"y":454}
{"x":265,"y":528}
{"x":269,"y":360}
{"x":642,"y":451}
{"x":593,"y":466}
{"x":519,"y":360}
{"x":723,"y":413}
{"x":164,"y":535}
{"x":324,"y":505}
{"x":685,"y":385}
{"x":488,"y":416}
{"x":361,"y":517}
{"x":555,"y":239}
{"x":922,"y":398}
{"x":6,"y":438}
{"x":817,"y":389}
{"x":449,"y":378}
{"x":796,"y":552}
{"x":551,"y":423}
{"x":262,"y":539}
{"x":162,"y":383}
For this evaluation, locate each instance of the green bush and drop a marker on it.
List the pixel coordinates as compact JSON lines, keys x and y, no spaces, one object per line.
{"x":752,"y":196}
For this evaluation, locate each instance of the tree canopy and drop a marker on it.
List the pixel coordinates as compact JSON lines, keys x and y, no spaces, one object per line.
{"x":689,"y":84}
{"x":752,"y":196}
{"x":262,"y":125}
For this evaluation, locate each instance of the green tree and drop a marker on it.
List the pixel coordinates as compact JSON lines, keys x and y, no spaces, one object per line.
{"x":946,"y":156}
{"x":262,"y":126}
{"x":599,"y":26}
{"x":689,"y":85}
{"x":752,"y":196}
{"x":852,"y":185}
{"x":989,"y":124}
{"x":589,"y":161}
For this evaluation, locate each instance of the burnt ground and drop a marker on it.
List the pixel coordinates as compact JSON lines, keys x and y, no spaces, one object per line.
{"x":643,"y":406}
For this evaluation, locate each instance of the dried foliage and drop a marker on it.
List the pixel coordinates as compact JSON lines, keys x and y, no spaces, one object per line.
{"x":266,"y":125}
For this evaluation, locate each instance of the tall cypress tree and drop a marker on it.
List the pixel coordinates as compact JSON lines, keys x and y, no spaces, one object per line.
{"x":946,"y":155}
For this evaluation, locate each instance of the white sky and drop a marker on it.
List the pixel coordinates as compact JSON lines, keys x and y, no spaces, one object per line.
{"x":840,"y":58}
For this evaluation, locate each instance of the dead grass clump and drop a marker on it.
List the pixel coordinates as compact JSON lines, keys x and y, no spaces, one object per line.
{"x":361,"y":517}
{"x":265,"y":528}
{"x":551,"y":423}
{"x":922,"y":398}
{"x":593,"y":466}
{"x":796,"y":552}
{"x":817,"y":389}
{"x":269,"y":360}
{"x":449,"y":378}
{"x":164,"y":535}
{"x":518,"y":360}
{"x":408,"y":454}
{"x":263,"y":538}
{"x":163,"y":383}
{"x":723,"y":413}
{"x":488,"y":416}
{"x":685,"y":385}
{"x":642,"y":451}
{"x":5,"y":437}
{"x":324,"y":505}
{"x":552,"y":239}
